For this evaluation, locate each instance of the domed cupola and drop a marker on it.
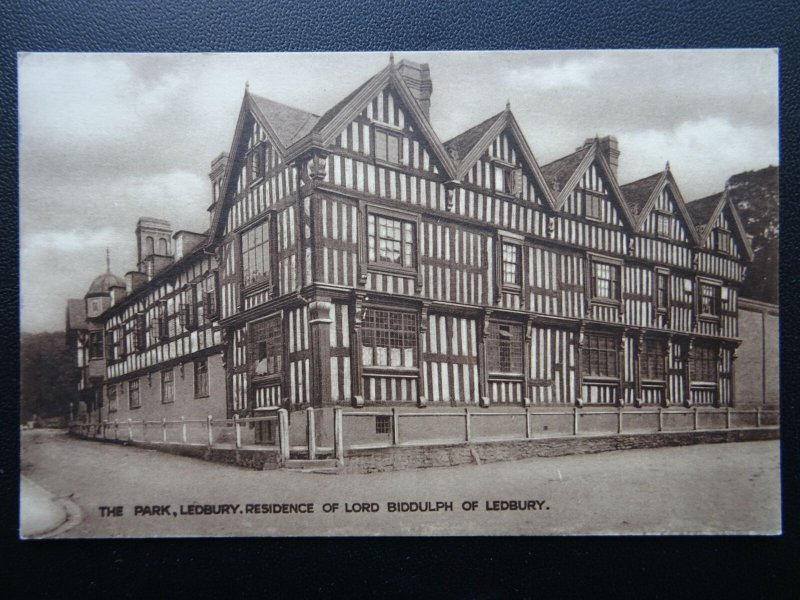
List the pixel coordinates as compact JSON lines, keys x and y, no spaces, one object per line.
{"x":103,"y":291}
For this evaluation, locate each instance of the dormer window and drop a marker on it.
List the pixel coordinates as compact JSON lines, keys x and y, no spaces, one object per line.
{"x":593,"y":206}
{"x":722,"y":241}
{"x":506,"y":178}
{"x":663,"y":224}
{"x":387,"y":146}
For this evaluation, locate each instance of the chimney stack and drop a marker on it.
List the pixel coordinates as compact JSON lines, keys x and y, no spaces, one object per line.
{"x":609,"y":148}
{"x":418,"y":79}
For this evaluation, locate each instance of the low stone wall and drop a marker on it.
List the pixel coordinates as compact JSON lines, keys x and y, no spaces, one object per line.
{"x":397,"y":458}
{"x":252,"y":458}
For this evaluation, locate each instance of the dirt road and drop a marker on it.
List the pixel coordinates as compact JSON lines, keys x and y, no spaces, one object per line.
{"x":719,"y":488}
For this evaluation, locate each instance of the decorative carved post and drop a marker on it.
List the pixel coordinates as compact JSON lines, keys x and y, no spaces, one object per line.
{"x":579,"y":344}
{"x":356,"y":370}
{"x":483,"y":368}
{"x":637,"y":368}
{"x":422,"y":400}
{"x":687,"y":370}
{"x":319,"y":315}
{"x":667,"y":368}
{"x":621,"y":362}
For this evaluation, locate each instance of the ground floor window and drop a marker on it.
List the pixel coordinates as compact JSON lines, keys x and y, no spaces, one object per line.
{"x":112,"y":397}
{"x":383,"y":424}
{"x":201,"y":378}
{"x":133,"y":394}
{"x":652,"y":358}
{"x":601,"y":355}
{"x":704,"y":363}
{"x":504,"y":348}
{"x":266,"y":346}
{"x":167,"y":386}
{"x":389,"y":339}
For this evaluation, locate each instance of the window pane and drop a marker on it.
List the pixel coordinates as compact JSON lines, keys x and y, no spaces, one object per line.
{"x":392,"y":336}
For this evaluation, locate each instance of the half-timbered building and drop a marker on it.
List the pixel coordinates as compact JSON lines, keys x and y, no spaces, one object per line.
{"x":355,"y":259}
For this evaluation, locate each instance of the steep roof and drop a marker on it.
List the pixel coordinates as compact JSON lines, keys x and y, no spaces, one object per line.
{"x":289,"y":123}
{"x":332,"y":112}
{"x":557,"y":173}
{"x":703,"y":209}
{"x":464,"y":142}
{"x":76,"y":314}
{"x":102,"y":284}
{"x":638,"y":192}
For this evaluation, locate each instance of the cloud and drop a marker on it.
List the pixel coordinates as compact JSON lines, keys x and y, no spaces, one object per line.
{"x":702,"y":153}
{"x":573,"y":73}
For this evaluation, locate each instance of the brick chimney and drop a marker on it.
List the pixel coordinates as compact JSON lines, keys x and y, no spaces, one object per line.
{"x":609,"y":148}
{"x":418,"y":79}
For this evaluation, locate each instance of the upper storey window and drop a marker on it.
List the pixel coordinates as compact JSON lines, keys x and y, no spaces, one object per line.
{"x":605,"y":281}
{"x":256,"y":163}
{"x":387,"y":146}
{"x":512,"y":264}
{"x":255,"y":254}
{"x":593,"y":206}
{"x":96,"y":344}
{"x":709,"y":300}
{"x":721,"y":241}
{"x":662,"y":291}
{"x":391,"y":242}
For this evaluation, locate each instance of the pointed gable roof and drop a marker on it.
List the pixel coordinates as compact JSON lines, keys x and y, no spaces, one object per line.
{"x":343,"y":112}
{"x":473,"y":142}
{"x":558,"y":172}
{"x":567,"y":171}
{"x":466,"y":141}
{"x":638,"y":192}
{"x":640,"y":197}
{"x":288,"y":123}
{"x":706,"y":211}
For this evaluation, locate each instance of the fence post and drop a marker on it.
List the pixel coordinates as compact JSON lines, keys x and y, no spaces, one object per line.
{"x":574,"y":420}
{"x":183,"y":429}
{"x":660,"y":419}
{"x":238,"y":430}
{"x":395,"y":427}
{"x":528,"y":430}
{"x":728,"y":418}
{"x":116,"y":429}
{"x":283,"y":434}
{"x":144,"y":430}
{"x":164,"y":429}
{"x":467,"y":425}
{"x":130,"y":430}
{"x":619,"y":420}
{"x":311,"y":433}
{"x":210,"y":425}
{"x":338,"y":436}
{"x":758,"y":417}
{"x":696,"y":419}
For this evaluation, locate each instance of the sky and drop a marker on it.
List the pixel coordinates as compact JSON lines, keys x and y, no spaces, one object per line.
{"x":107,"y":138}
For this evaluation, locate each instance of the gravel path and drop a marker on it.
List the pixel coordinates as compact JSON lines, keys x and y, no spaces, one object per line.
{"x":715,"y":488}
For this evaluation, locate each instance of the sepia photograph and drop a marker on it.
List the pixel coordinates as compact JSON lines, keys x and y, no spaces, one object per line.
{"x":399,"y":293}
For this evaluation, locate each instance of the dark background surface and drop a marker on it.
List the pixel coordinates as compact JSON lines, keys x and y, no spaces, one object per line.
{"x":474,"y":568}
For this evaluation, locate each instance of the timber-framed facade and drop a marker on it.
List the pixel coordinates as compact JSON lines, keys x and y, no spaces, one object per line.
{"x":355,"y":259}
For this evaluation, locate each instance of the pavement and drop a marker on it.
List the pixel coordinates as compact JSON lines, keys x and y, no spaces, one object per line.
{"x":126,"y":491}
{"x":40,"y":512}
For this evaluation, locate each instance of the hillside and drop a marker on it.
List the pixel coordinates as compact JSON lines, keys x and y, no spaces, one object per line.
{"x":48,"y":377}
{"x":755,"y":194}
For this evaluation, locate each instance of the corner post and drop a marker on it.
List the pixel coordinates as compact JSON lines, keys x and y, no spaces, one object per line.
{"x":395,"y":427}
{"x":338,"y":436}
{"x":319,"y":321}
{"x":283,"y":434}
{"x":311,"y":433}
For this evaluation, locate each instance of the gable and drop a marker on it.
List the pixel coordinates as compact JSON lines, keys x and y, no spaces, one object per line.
{"x":724,"y":222}
{"x":501,"y":158}
{"x":593,"y":182}
{"x":387,"y":114}
{"x":666,"y":207}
